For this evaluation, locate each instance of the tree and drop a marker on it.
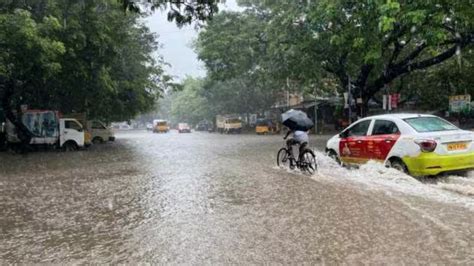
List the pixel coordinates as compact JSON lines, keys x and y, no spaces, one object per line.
{"x":233,"y":49}
{"x":189,"y":105}
{"x":28,"y":57}
{"x":105,"y":67}
{"x":369,"y":44}
{"x":180,"y":12}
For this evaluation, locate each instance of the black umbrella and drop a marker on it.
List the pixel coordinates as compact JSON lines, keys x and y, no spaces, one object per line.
{"x":296,"y":120}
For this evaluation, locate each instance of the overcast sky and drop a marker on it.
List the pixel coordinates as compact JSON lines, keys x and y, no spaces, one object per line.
{"x":176,"y":43}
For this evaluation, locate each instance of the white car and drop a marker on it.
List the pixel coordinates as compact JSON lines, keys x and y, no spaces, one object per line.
{"x":421,"y":145}
{"x":184,"y":128}
{"x":149,"y":126}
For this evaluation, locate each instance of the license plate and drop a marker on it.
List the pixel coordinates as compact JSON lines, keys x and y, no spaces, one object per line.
{"x":457,"y":146}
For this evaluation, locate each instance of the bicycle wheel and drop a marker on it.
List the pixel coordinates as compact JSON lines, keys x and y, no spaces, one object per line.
{"x":283,"y":158}
{"x":308,"y":163}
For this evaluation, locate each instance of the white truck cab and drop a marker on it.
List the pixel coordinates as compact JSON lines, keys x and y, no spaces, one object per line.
{"x":71,"y":134}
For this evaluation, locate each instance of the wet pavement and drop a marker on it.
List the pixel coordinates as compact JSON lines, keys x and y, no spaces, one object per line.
{"x":217,"y":199}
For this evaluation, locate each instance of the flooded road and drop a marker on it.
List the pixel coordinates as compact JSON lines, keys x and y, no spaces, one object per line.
{"x":208,"y":198}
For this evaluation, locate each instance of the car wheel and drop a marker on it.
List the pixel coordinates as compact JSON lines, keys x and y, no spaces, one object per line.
{"x":399,"y":165}
{"x":69,"y":146}
{"x":333,"y":155}
{"x":97,"y":140}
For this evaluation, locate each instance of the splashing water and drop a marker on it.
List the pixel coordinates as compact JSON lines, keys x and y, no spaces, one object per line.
{"x":373,"y":175}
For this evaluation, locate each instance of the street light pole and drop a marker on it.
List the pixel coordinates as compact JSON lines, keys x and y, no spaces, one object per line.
{"x":349,"y":99}
{"x":315,"y":116}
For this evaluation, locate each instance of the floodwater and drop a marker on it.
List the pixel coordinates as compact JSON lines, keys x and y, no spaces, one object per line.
{"x":217,"y":199}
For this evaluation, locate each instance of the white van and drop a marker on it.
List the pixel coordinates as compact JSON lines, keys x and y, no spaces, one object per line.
{"x":100,"y":133}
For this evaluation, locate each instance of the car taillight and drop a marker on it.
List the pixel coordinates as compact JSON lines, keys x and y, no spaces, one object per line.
{"x":426,"y":145}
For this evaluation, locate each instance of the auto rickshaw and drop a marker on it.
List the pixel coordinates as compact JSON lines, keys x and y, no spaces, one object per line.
{"x":160,"y":126}
{"x":265,"y":126}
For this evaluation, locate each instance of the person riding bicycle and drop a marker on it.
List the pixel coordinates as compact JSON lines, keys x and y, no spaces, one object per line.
{"x":299,"y":137}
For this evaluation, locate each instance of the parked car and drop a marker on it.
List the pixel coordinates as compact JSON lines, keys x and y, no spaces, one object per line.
{"x":184,"y":128}
{"x":421,"y":145}
{"x":203,"y":125}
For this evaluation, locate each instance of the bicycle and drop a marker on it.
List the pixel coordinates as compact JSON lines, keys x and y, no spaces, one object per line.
{"x":306,"y":162}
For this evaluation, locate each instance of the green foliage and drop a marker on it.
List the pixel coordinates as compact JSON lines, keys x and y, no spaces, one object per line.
{"x":80,"y":56}
{"x":234,"y":48}
{"x":374,"y":42}
{"x":180,"y":12}
{"x":189,"y":105}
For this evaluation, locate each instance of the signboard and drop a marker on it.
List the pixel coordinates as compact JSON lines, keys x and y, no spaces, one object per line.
{"x":346,"y":100}
{"x":390,"y":101}
{"x":395,"y":100}
{"x":460,"y":103}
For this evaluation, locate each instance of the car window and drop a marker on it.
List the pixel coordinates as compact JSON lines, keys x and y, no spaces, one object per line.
{"x":72,"y":125}
{"x":430,"y":124}
{"x":359,"y":129}
{"x":385,"y":127}
{"x":97,"y":125}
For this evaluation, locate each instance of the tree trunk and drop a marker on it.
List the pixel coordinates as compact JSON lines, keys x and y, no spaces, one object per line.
{"x":23,"y":132}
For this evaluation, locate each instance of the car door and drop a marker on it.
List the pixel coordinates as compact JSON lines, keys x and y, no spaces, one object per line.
{"x":352,"y":146}
{"x":381,"y":140}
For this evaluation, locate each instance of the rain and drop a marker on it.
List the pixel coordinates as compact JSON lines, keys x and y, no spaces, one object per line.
{"x":217,"y":132}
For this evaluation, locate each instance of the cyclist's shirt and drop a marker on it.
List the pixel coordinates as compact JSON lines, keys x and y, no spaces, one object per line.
{"x":300,"y":136}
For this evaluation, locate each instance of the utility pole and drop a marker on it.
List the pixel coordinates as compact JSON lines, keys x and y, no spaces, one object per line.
{"x":315,"y":115}
{"x":349,"y":98}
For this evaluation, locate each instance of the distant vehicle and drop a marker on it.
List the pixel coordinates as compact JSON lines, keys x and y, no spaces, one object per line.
{"x":149,"y":127}
{"x":160,"y":126}
{"x":265,"y":126}
{"x":203,"y":126}
{"x":3,"y":139}
{"x":420,"y":145}
{"x":125,"y":127}
{"x":184,"y":128}
{"x":49,"y":130}
{"x":120,"y":126}
{"x":228,"y":124}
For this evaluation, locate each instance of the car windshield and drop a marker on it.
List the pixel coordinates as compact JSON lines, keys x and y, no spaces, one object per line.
{"x":233,"y":120}
{"x":161,"y":123}
{"x":430,"y":124}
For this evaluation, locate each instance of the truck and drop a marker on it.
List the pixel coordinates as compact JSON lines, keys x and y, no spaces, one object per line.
{"x":2,"y":130}
{"x":48,"y":129}
{"x":228,"y":124}
{"x":96,"y":131}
